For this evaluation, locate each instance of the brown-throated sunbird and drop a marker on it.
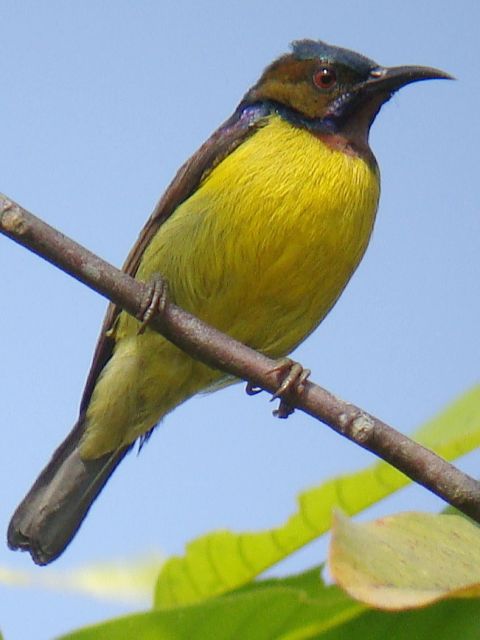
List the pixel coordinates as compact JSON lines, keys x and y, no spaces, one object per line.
{"x":258,"y":234}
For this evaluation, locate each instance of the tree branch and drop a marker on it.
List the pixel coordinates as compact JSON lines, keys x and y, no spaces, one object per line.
{"x":222,"y":352}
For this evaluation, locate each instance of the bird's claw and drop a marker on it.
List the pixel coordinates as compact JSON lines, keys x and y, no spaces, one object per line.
{"x":155,"y":301}
{"x":294,"y":379}
{"x":284,"y":410}
{"x":252,"y":390}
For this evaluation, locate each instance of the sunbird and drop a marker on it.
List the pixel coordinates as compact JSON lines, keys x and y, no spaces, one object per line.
{"x":258,"y":234}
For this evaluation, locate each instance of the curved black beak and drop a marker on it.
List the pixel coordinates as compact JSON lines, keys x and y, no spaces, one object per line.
{"x":390,"y":79}
{"x":369,"y":95}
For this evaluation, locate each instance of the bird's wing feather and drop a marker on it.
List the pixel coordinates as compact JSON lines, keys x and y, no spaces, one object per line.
{"x":221,"y":143}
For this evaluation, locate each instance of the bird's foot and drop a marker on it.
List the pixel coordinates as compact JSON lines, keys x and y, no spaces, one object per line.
{"x":156,"y":299}
{"x":293,"y":377}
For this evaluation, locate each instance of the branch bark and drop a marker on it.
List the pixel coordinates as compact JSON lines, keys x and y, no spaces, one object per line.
{"x":222,"y":352}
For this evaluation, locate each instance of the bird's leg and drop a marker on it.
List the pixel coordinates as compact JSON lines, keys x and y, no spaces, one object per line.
{"x":155,"y":301}
{"x":294,"y":379}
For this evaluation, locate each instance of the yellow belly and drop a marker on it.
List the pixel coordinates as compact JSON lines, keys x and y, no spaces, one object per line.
{"x":261,"y":250}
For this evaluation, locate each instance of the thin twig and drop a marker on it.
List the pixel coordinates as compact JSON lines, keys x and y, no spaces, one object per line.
{"x":222,"y":352}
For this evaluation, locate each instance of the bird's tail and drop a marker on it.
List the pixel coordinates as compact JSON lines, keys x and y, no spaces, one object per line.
{"x":54,"y":508}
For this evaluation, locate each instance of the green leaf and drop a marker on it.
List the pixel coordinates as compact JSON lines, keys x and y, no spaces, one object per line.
{"x":446,"y":620}
{"x":407,"y":560}
{"x":295,"y":608}
{"x":222,"y":561}
{"x":291,"y":609}
{"x":309,"y":581}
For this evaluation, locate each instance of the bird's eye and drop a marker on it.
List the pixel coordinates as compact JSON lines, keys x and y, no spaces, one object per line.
{"x":325,"y":77}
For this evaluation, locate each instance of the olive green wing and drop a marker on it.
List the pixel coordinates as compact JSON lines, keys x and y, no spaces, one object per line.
{"x":242,"y":124}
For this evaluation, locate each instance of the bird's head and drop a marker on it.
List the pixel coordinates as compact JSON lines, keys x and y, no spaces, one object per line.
{"x":333,"y":89}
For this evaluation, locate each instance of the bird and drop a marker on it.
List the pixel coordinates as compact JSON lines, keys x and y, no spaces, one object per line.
{"x":258,"y":234}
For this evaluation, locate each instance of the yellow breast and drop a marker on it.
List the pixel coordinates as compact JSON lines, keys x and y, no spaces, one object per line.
{"x":266,"y":245}
{"x":261,"y":250}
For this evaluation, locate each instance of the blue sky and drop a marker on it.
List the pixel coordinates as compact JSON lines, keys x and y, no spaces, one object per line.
{"x":100,"y":104}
